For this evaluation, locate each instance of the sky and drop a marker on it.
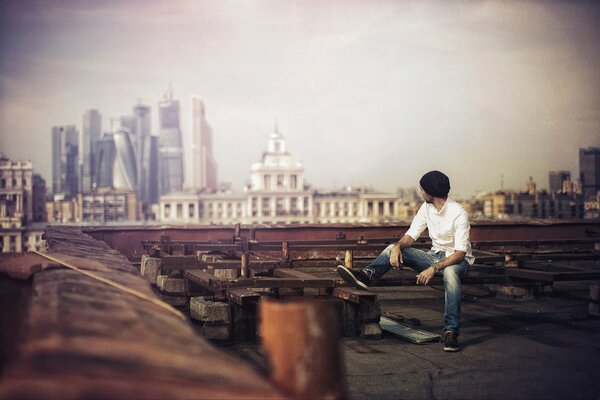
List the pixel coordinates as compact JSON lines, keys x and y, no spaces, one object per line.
{"x":370,"y":93}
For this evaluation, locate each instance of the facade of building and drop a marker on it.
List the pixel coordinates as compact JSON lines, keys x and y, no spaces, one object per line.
{"x":62,"y":211}
{"x":589,"y":172}
{"x":102,"y":206}
{"x":540,"y":205}
{"x":204,"y":166}
{"x":170,"y":146}
{"x":65,"y":161}
{"x":91,"y":134}
{"x":278,"y":194}
{"x":38,"y":188}
{"x":559,"y":181}
{"x":106,"y":206}
{"x":21,"y":197}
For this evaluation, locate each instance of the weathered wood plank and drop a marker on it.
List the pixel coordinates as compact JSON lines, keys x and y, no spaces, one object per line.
{"x":353,"y":295}
{"x":242,"y":296}
{"x":82,"y":338}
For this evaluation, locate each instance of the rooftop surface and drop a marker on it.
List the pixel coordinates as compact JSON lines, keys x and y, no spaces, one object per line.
{"x":80,"y":339}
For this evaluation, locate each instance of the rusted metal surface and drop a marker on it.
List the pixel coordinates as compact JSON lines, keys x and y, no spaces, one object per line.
{"x":128,"y":239}
{"x":82,"y":338}
{"x":300,"y":339}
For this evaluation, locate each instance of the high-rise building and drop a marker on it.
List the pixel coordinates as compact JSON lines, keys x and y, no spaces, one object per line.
{"x":38,"y":197}
{"x":589,"y":172}
{"x":147,"y":164}
{"x":124,"y":164}
{"x":65,"y":160}
{"x":204,"y":166}
{"x":556,"y":181}
{"x":105,"y":156}
{"x":170,"y":145}
{"x":153,"y":172}
{"x":91,"y":134}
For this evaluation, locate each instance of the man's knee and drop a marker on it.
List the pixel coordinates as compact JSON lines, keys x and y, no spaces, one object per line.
{"x":451,"y":276}
{"x":388,"y":249}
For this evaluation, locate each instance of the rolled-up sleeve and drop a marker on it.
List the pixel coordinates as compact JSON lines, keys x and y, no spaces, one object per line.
{"x":461,"y":233}
{"x":418,"y":224}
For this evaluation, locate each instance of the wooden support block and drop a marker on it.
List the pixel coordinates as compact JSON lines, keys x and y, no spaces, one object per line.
{"x":244,"y":304}
{"x":368,"y":311}
{"x":170,"y":285}
{"x":371,"y":330}
{"x":349,"y":323}
{"x":150,"y":268}
{"x":209,"y":311}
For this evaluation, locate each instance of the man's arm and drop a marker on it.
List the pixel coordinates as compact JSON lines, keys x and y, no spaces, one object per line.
{"x":417,"y":227}
{"x":424,"y":277}
{"x":396,"y":254}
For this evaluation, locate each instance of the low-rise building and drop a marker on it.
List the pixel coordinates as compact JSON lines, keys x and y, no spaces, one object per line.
{"x":278,"y":194}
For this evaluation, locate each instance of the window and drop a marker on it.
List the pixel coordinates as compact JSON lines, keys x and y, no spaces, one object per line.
{"x":267,"y":182}
{"x":279,"y":181}
{"x":266,"y":206}
{"x":191,"y":209}
{"x":179,"y":210}
{"x":293,"y":181}
{"x":167,"y":211}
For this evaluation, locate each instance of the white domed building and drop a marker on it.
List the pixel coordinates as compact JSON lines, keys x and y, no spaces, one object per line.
{"x":277,"y":192}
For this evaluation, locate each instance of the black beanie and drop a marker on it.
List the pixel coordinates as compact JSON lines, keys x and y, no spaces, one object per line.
{"x":435,"y":184}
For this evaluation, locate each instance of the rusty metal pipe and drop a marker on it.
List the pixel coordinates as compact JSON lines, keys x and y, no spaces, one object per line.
{"x":300,"y":339}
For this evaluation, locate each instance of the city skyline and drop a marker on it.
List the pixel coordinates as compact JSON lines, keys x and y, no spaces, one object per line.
{"x":365,"y":94}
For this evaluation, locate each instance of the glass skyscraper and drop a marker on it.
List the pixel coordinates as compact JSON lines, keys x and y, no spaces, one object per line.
{"x":90,"y":137}
{"x":204,"y":166}
{"x":65,"y":161}
{"x":170,"y":145}
{"x":589,"y":172}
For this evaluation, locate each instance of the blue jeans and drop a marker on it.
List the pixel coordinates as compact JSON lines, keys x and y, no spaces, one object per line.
{"x":420,"y":260}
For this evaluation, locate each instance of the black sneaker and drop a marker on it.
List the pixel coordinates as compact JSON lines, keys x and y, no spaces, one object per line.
{"x":360,"y":279}
{"x":451,"y":341}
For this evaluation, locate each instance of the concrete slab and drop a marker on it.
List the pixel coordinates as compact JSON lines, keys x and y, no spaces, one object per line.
{"x":540,"y":348}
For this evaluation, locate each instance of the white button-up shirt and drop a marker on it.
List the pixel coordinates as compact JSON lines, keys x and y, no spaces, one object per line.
{"x":448,"y":228}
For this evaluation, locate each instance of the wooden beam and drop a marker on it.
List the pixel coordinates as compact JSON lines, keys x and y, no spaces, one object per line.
{"x":242,"y":296}
{"x":353,"y":295}
{"x":546,"y":276}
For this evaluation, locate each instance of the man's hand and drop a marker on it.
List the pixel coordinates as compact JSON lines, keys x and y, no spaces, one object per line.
{"x":396,"y":256}
{"x":424,"y":277}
